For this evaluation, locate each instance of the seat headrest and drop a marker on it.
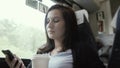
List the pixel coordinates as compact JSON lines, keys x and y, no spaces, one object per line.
{"x":80,"y":16}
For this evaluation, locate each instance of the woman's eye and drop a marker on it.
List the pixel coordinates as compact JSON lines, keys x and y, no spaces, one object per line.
{"x":56,"y":20}
{"x":48,"y":20}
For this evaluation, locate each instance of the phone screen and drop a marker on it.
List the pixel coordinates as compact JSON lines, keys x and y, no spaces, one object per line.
{"x":9,"y":54}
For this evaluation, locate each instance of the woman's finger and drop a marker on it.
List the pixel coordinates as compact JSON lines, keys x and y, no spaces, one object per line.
{"x":14,"y":62}
{"x":23,"y":66}
{"x":20,"y":63}
{"x":7,"y":60}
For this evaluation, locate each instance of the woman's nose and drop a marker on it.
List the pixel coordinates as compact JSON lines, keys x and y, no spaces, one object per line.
{"x":50,"y":24}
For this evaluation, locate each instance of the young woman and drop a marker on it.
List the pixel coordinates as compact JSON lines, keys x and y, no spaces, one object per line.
{"x":63,"y":45}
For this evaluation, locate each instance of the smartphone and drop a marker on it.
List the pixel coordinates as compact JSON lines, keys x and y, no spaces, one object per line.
{"x":9,"y":54}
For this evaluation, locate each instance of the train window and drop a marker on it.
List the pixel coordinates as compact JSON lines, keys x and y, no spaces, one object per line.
{"x":21,"y":28}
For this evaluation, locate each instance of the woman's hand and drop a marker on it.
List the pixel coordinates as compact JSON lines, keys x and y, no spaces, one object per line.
{"x":15,"y":63}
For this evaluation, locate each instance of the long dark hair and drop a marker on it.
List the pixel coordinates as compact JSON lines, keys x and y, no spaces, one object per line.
{"x":70,"y":29}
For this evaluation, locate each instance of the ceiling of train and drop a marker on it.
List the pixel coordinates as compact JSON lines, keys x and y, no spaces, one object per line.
{"x":90,"y":5}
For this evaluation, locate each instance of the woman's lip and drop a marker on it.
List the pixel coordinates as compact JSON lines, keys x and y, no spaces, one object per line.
{"x":50,"y":31}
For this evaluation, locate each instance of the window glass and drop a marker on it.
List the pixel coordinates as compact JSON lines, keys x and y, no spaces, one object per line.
{"x":21,"y":28}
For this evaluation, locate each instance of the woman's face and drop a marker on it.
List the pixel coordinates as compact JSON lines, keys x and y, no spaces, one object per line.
{"x":55,"y":25}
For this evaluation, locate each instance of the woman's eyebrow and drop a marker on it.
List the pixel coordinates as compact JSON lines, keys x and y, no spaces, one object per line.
{"x":55,"y":17}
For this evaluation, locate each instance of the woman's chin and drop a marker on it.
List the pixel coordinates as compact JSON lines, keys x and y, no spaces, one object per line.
{"x":51,"y":37}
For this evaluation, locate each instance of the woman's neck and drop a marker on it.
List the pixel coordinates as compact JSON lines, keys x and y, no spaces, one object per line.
{"x":58,"y":47}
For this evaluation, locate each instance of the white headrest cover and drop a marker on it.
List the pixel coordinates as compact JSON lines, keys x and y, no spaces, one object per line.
{"x":80,"y":16}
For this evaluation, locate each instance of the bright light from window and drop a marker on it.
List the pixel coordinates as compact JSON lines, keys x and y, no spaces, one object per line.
{"x":16,"y":9}
{"x":49,"y":3}
{"x":21,"y":27}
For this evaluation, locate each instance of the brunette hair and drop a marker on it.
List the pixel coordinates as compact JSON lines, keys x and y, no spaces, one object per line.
{"x":70,"y":29}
